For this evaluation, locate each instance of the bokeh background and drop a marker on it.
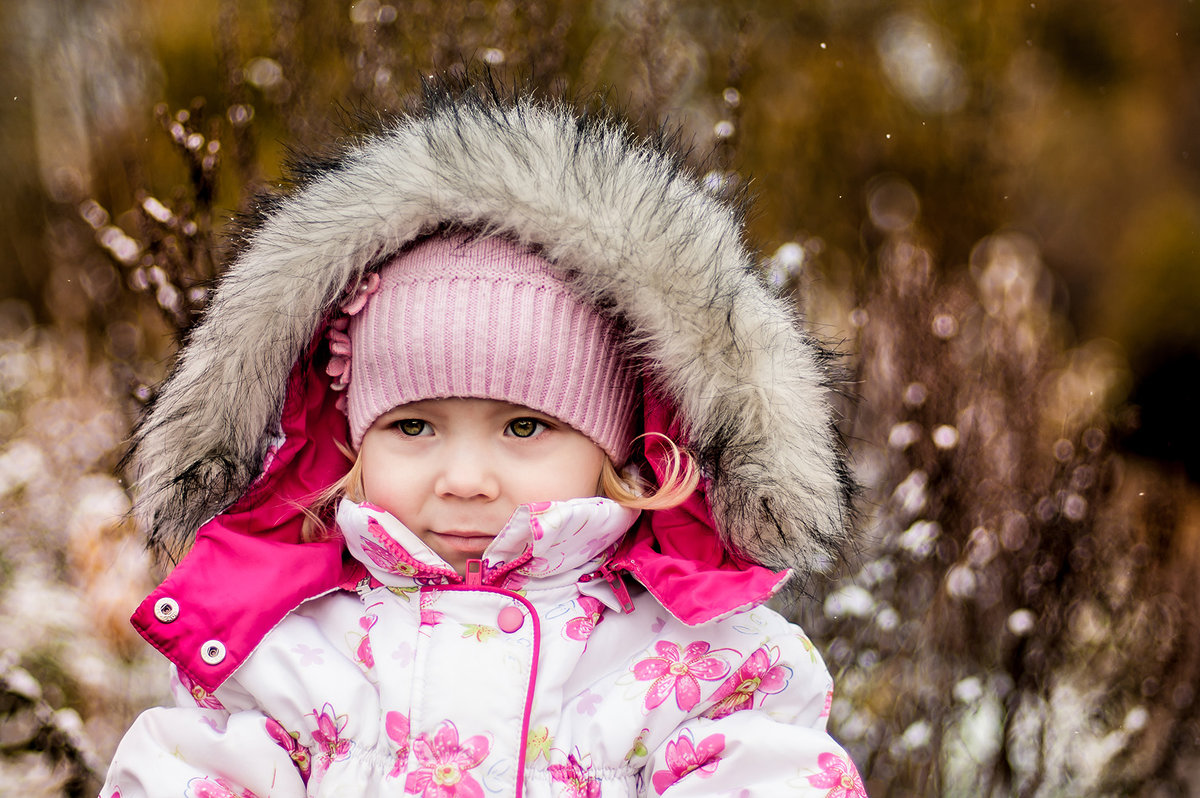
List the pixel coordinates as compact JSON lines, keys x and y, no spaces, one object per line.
{"x":991,"y":208}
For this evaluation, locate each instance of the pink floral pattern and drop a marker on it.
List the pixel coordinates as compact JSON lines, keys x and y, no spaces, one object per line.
{"x":678,"y":671}
{"x":576,"y":779}
{"x":202,"y":697}
{"x":328,"y":736}
{"x":396,"y":725}
{"x":581,"y":628}
{"x":386,"y":559}
{"x":444,"y":764}
{"x":363,"y":652}
{"x":288,"y":742}
{"x":683,"y":756}
{"x":760,"y":673}
{"x":839,"y":774}
{"x":214,"y":787}
{"x":428,"y":615}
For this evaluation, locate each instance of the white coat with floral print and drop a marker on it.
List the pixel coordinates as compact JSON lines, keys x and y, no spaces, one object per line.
{"x":538,"y":674}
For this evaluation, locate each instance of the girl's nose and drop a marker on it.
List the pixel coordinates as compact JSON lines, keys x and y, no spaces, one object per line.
{"x":467,"y":474}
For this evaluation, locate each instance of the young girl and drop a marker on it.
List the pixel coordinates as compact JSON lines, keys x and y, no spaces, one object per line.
{"x":516,"y":322}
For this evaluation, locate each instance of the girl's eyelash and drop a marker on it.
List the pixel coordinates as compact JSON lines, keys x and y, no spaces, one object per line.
{"x":538,"y":425}
{"x":405,"y":425}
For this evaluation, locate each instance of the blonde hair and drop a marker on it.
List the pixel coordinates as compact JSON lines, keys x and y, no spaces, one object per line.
{"x":680,"y":478}
{"x":321,"y":505}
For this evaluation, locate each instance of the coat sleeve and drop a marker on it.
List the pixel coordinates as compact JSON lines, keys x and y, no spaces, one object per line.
{"x":762,"y":732}
{"x":202,"y":750}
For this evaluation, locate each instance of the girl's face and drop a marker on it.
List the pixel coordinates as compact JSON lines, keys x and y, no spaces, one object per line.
{"x":453,"y":470}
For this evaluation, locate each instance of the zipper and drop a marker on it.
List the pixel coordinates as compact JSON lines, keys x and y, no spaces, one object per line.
{"x":474,"y":573}
{"x":618,"y":586}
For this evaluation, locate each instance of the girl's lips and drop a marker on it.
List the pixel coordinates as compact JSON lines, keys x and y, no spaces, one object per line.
{"x":464,"y":542}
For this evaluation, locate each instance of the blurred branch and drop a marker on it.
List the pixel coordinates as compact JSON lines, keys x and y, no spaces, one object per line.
{"x":33,"y":727}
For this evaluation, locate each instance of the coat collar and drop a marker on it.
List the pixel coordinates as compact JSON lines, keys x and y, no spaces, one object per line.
{"x":547,"y":543}
{"x":234,"y":586}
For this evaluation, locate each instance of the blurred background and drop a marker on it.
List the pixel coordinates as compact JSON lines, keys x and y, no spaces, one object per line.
{"x":991,"y":208}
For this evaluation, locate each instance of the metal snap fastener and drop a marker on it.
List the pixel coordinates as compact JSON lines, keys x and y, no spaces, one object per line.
{"x":510,"y":619}
{"x":213,"y":652}
{"x":166,"y":609}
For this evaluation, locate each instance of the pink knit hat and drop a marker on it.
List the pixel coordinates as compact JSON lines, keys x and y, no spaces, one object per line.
{"x":483,"y":318}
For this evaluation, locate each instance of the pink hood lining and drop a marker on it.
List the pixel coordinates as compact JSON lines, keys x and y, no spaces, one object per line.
{"x":248,"y":567}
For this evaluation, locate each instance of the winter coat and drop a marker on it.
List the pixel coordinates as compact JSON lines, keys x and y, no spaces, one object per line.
{"x":246,"y":430}
{"x":535,"y":676}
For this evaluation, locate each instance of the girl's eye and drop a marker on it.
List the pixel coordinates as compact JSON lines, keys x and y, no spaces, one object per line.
{"x":412,"y":426}
{"x":525,"y":427}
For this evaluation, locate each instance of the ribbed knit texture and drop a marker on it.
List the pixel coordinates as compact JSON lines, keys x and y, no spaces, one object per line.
{"x":486,"y":318}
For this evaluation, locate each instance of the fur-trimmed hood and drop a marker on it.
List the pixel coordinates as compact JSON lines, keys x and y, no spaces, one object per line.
{"x":632,"y":230}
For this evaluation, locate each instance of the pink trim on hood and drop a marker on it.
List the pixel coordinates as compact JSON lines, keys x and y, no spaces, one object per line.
{"x":248,"y":568}
{"x":677,"y":553}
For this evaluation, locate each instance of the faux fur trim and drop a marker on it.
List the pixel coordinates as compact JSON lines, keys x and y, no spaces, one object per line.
{"x":632,"y":229}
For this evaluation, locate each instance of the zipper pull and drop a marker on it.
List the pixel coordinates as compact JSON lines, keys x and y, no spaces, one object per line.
{"x":474,"y":573}
{"x":618,"y":585}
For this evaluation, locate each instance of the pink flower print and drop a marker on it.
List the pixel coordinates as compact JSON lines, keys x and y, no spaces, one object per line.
{"x":840,"y":775}
{"x":386,"y":559}
{"x":684,"y":757}
{"x":581,"y":628}
{"x":444,"y":764}
{"x":593,"y":547}
{"x":328,"y":737}
{"x":588,"y":702}
{"x":363,"y":652}
{"x":577,"y":780}
{"x":308,"y":656}
{"x":214,"y":787}
{"x":202,"y":697}
{"x":675,"y":671}
{"x":287,"y":741}
{"x":535,"y":526}
{"x":396,"y":725}
{"x":761,"y":673}
{"x":404,"y":654}
{"x":825,"y":710}
{"x":516,"y":579}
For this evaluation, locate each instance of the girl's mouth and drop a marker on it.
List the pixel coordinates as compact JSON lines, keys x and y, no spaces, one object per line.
{"x":464,"y":542}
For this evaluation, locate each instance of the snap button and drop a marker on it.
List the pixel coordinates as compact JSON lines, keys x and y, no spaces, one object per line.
{"x":213,"y":652}
{"x":510,"y":619}
{"x":166,"y":609}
